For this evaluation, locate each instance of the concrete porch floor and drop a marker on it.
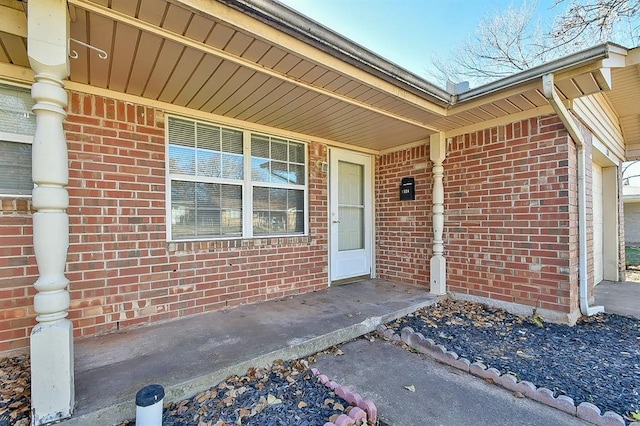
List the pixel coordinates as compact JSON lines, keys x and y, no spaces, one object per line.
{"x":188,"y":355}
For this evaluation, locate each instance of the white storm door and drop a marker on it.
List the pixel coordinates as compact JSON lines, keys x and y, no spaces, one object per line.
{"x":350,"y":214}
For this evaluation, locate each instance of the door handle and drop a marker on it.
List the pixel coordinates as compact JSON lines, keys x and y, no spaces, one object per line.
{"x":336,"y":221}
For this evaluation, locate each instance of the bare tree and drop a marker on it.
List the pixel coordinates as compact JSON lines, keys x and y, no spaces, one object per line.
{"x":600,"y":19}
{"x":504,"y":43}
{"x":511,"y":41}
{"x":630,"y":171}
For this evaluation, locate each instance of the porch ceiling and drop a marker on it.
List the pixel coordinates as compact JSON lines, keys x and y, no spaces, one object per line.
{"x":210,"y":57}
{"x":165,"y":52}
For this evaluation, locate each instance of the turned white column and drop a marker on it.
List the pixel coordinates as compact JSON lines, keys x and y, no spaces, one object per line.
{"x":438,"y":277}
{"x":52,"y":387}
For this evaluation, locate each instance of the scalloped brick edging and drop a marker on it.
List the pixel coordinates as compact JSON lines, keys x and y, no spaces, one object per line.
{"x":363,"y":410}
{"x":586,"y":411}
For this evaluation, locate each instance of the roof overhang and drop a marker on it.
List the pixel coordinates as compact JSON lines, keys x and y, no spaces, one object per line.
{"x":260,"y":64}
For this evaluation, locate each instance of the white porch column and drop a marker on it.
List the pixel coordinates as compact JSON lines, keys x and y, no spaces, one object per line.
{"x":52,"y":387}
{"x":438,"y":152}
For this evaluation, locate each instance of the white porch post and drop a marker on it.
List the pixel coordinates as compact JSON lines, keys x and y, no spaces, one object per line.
{"x":52,"y":387}
{"x":438,"y":152}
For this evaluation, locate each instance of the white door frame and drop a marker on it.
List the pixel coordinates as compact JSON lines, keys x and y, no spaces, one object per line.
{"x":336,"y":155}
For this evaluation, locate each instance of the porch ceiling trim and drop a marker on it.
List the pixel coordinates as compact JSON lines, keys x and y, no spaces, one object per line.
{"x":170,"y":108}
{"x":487,"y":124}
{"x":143,"y":26}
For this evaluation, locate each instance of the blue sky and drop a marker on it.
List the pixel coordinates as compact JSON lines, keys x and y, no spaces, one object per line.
{"x":408,"y":32}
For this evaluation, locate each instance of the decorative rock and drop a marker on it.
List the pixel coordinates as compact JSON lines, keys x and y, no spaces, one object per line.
{"x":477,"y":369}
{"x":405,"y":333}
{"x":396,"y":337}
{"x":613,"y":419}
{"x":451,"y":355}
{"x":353,"y":399}
{"x":508,"y":381}
{"x":493,"y":374}
{"x":461,"y":364}
{"x":315,"y":371}
{"x":566,"y":404}
{"x":428,"y":344}
{"x":342,"y":392}
{"x":331,"y":385}
{"x":344,"y":420}
{"x":370,"y":408}
{"x":543,"y":395}
{"x":415,"y":340}
{"x":323,"y":379}
{"x":381,"y":328}
{"x":588,"y":412}
{"x":388,"y":333}
{"x":357,"y":414}
{"x":439,"y":348}
{"x":527,"y":388}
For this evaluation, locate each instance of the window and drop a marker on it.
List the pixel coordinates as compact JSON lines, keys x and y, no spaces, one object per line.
{"x":17,"y":127}
{"x":230,"y":183}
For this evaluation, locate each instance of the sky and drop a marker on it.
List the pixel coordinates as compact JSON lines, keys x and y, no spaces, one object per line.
{"x":409,"y":32}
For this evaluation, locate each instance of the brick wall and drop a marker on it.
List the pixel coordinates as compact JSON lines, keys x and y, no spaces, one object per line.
{"x":18,"y":272}
{"x":511,"y":215}
{"x":122,"y":270}
{"x":403,"y":228}
{"x":510,"y":198}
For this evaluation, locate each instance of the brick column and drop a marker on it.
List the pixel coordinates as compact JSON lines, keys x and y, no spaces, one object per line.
{"x":52,"y":386}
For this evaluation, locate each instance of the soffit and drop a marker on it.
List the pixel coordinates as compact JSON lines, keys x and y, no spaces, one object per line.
{"x":625,"y":99}
{"x":162,"y":51}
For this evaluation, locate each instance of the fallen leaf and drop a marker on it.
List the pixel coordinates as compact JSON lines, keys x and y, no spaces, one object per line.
{"x":302,"y":404}
{"x":339,"y":352}
{"x":410,"y":388}
{"x":518,"y":394}
{"x":272,"y":400}
{"x":338,"y":406}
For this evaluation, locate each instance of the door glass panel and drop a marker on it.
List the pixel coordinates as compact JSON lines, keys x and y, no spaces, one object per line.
{"x":350,"y":206}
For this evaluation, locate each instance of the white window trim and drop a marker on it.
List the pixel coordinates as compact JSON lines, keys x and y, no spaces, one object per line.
{"x":247,"y":185}
{"x":17,"y":138}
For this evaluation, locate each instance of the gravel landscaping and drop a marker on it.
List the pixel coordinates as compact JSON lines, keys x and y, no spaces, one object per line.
{"x":596,"y":361}
{"x":284,"y":394}
{"x":15,"y":391}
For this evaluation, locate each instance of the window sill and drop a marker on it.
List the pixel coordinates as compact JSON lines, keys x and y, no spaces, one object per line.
{"x":16,"y":204}
{"x":210,"y":245}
